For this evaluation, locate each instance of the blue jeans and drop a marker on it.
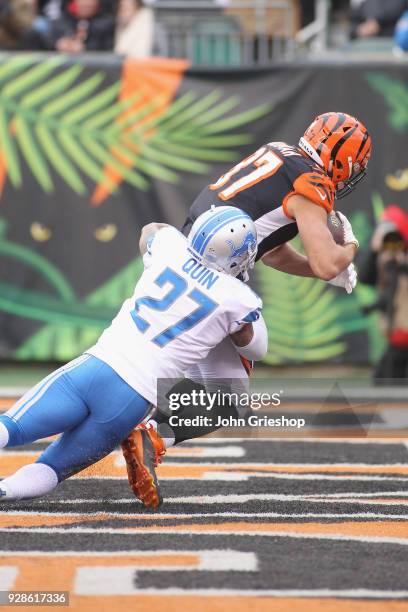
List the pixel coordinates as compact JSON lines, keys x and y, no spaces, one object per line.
{"x":88,"y":401}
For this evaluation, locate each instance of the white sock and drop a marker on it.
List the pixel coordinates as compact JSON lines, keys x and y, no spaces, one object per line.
{"x":4,"y":435}
{"x":161,"y":429}
{"x":150,"y":424}
{"x":168,"y":442}
{"x":32,"y":480}
{"x":167,"y":434}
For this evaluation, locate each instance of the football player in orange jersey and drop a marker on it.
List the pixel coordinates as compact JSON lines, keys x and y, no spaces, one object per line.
{"x":286,"y":190}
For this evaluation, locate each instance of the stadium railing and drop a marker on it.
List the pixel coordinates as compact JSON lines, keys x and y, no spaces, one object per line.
{"x":236,"y":32}
{"x":314,"y":35}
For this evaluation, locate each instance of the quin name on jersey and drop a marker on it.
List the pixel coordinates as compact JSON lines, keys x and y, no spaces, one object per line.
{"x":204,"y":277}
{"x":180,"y":309}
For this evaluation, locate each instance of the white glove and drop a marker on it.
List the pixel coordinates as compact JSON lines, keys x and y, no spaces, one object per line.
{"x":349,"y":237}
{"x":346,"y":279}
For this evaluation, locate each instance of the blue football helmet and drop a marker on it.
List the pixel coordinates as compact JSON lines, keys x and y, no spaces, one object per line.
{"x":224,"y":238}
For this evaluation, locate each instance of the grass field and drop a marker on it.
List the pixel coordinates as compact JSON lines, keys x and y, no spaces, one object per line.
{"x":282,"y":525}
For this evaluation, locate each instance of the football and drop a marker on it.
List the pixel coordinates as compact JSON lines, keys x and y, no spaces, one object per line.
{"x":336,"y":227}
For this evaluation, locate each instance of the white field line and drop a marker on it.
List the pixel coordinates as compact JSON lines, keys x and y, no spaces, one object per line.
{"x":208,"y":560}
{"x":289,"y":440}
{"x":213,"y":532}
{"x":364,"y":495}
{"x":247,"y":465}
{"x":226,"y":499}
{"x":163,"y":517}
{"x":244,"y":498}
{"x":222,"y":441}
{"x":157,"y":552}
{"x":248,"y":515}
{"x":279,"y":475}
{"x":285,"y":476}
{"x":310,"y":593}
{"x":296,"y":439}
{"x":8,"y":575}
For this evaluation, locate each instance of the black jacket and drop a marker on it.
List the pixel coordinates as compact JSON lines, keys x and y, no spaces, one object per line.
{"x":100,"y":33}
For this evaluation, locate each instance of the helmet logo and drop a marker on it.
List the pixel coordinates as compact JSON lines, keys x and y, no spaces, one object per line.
{"x":248,"y":245}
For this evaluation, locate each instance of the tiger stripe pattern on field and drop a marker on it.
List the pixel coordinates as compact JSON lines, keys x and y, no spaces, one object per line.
{"x":282,"y":524}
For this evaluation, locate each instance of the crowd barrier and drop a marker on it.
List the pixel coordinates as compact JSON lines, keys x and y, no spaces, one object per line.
{"x":91,"y":149}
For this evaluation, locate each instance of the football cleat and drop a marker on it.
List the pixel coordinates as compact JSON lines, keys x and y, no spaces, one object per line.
{"x":143,"y":450}
{"x":248,"y":365}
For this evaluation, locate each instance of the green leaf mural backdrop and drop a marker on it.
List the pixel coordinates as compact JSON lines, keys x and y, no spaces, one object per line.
{"x":90,"y":152}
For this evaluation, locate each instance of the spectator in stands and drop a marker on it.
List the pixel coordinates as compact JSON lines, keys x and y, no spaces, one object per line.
{"x":16,"y":18}
{"x":37,"y":36}
{"x":46,"y":12}
{"x":84,"y":25}
{"x":385,"y":265}
{"x":135,"y":29}
{"x":376,"y":17}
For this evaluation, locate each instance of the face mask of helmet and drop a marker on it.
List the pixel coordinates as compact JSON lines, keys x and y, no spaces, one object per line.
{"x":344,"y":188}
{"x":241,"y":271}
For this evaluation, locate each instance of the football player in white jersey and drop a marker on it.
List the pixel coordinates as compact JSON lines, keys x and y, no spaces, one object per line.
{"x":181,"y":308}
{"x":285,"y":190}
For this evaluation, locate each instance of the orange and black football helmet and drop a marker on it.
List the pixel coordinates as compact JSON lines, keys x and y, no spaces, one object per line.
{"x":341,"y":145}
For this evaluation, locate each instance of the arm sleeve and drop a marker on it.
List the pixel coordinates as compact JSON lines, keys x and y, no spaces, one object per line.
{"x":258,"y":347}
{"x":243,"y":317}
{"x":244,"y":306}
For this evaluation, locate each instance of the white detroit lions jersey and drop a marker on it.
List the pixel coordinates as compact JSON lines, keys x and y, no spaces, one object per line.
{"x":178,"y":312}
